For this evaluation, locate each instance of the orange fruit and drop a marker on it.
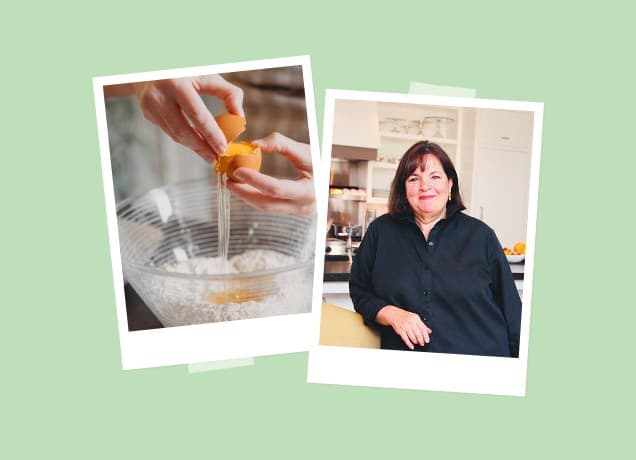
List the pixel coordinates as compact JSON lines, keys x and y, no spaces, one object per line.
{"x":520,"y":247}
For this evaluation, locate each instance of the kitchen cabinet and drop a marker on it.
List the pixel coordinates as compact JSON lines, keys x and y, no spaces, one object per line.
{"x":504,"y":129}
{"x":355,"y":123}
{"x":501,"y":172}
{"x":500,"y":192}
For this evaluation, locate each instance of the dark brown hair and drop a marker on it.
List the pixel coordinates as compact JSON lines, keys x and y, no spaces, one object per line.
{"x":412,"y":159}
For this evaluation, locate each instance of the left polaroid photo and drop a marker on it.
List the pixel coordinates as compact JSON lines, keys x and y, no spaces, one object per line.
{"x":208,"y":178}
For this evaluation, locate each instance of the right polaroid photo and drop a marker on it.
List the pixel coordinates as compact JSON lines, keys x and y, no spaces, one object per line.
{"x":429,"y":234}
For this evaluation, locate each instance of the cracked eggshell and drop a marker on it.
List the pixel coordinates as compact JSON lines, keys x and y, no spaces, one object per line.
{"x":231,"y":125}
{"x":239,"y":155}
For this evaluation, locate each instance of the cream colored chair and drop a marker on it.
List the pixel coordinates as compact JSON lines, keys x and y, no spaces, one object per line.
{"x":345,"y":328}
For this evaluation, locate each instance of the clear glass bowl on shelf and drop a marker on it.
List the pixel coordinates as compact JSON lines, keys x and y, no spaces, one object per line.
{"x":441,"y":125}
{"x":271,"y":257}
{"x":393,"y":125}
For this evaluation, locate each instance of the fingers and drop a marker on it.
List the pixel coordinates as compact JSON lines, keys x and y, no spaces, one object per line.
{"x":231,"y":95}
{"x":176,"y":106}
{"x":301,"y":190}
{"x":192,"y":105}
{"x":412,"y":330}
{"x":159,"y":104}
{"x":181,"y":132}
{"x":297,"y":152}
{"x":269,"y":204}
{"x":408,"y":341}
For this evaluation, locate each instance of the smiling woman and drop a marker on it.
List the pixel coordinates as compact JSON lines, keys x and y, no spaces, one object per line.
{"x":430,"y":277}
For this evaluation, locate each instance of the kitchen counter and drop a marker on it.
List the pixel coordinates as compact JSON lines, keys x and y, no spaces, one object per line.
{"x":337,"y":268}
{"x":139,"y":316}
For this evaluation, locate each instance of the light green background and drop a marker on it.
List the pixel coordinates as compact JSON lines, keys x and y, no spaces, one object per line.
{"x":62,"y":388}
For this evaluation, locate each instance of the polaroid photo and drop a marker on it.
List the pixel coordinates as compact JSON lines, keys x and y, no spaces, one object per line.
{"x":463,"y":278}
{"x":201,"y":168}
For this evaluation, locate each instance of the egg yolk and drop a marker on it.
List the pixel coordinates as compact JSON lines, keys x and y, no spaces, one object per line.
{"x":234,"y":150}
{"x":238,"y":296}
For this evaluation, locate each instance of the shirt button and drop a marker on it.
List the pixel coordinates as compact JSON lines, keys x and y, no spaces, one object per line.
{"x":425,"y":292}
{"x":430,"y":243}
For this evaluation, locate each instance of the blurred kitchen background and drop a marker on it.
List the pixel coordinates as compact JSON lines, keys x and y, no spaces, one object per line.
{"x":144,"y":157}
{"x":489,"y":147}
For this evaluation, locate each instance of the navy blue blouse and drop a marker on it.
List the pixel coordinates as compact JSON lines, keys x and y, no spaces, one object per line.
{"x":459,"y":282}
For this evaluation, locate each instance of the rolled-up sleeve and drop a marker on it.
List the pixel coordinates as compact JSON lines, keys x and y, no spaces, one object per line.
{"x":505,"y":293}
{"x":365,"y":300}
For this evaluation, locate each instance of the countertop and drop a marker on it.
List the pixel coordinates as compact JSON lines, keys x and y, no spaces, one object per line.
{"x":139,"y":315}
{"x":337,"y":269}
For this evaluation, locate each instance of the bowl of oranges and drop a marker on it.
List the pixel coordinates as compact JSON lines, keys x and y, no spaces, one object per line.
{"x":517,"y":254}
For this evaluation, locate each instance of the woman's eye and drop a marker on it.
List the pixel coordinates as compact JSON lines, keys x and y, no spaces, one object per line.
{"x":412,"y":179}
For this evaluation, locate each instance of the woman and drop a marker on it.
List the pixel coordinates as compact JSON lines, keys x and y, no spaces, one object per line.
{"x":430,"y":277}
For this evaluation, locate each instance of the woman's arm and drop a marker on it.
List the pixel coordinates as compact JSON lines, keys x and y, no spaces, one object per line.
{"x":363,"y":296}
{"x":505,"y":293}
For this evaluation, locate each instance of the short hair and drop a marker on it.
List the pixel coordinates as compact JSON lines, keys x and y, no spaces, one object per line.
{"x":411,"y":160}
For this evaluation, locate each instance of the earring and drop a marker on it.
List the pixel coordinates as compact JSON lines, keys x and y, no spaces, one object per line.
{"x":449,"y":196}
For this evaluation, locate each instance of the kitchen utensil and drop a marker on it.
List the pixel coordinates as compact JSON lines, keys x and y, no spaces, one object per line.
{"x":179,"y":223}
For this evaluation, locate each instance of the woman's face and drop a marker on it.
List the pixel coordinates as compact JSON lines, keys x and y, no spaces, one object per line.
{"x":428,"y":187}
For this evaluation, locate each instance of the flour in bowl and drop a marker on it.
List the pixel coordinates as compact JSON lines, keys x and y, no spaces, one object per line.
{"x":255,"y":260}
{"x":182,"y":301}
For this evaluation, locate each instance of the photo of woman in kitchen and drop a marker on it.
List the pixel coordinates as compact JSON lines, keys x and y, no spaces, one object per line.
{"x":430,"y":277}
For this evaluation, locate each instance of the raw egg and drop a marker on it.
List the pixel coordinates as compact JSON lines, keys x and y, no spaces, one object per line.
{"x":237,"y":154}
{"x":238,"y":296}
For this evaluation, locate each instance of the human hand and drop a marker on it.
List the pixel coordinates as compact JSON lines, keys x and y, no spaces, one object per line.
{"x":279,"y":196}
{"x":176,"y":106}
{"x":407,"y":325}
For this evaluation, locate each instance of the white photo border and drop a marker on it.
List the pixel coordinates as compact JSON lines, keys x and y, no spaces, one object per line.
{"x":428,"y":371}
{"x":213,"y":341}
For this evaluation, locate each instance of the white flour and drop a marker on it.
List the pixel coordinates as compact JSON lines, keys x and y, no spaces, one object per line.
{"x":179,"y":302}
{"x":249,"y":261}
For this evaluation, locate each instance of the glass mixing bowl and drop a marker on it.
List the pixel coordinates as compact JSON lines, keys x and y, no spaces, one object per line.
{"x":178,"y":225}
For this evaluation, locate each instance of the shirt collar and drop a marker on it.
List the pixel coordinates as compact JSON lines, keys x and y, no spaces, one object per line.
{"x":408,"y":216}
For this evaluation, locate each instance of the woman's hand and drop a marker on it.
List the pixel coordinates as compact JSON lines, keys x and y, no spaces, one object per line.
{"x":407,"y":325}
{"x":175,"y":105}
{"x":279,"y":196}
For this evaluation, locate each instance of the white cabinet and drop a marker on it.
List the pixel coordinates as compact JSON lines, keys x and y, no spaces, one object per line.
{"x":501,"y":172}
{"x":355,"y":123}
{"x":500,"y":193}
{"x":504,"y":129}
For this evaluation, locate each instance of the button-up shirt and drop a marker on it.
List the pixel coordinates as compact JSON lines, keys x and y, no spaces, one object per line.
{"x":458,"y":281}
